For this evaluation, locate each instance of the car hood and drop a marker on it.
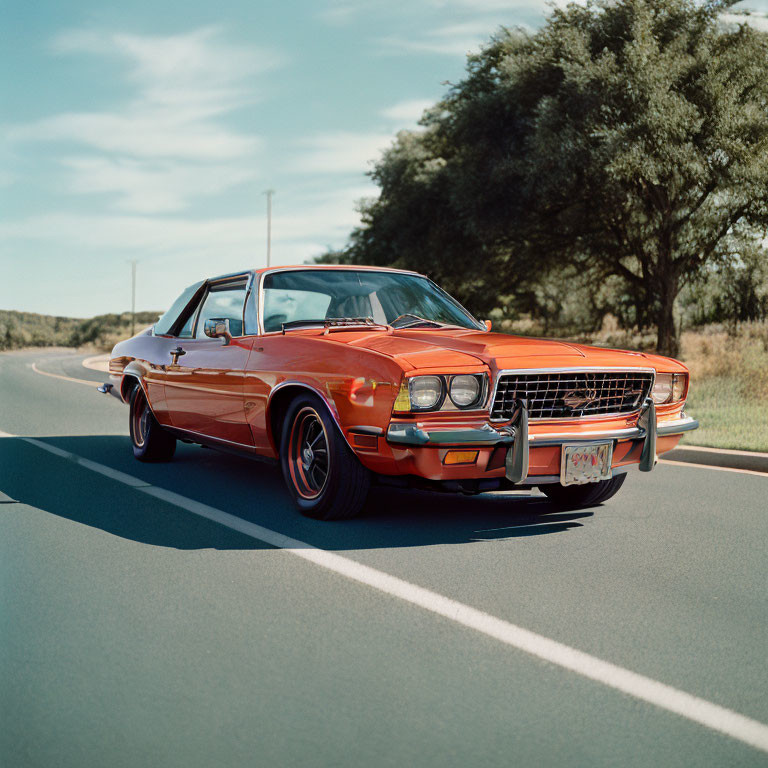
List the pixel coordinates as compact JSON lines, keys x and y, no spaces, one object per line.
{"x":433,"y":349}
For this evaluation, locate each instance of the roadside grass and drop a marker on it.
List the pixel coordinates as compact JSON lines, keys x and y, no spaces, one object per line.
{"x":729,"y":386}
{"x":726,"y":418}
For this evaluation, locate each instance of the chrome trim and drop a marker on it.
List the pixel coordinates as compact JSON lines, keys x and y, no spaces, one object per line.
{"x":516,"y":461}
{"x":571,"y":369}
{"x":412,"y":434}
{"x":217,"y":328}
{"x":677,"y":427}
{"x":647,"y":421}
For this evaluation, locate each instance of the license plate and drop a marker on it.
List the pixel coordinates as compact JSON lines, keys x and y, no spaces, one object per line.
{"x":585,"y":463}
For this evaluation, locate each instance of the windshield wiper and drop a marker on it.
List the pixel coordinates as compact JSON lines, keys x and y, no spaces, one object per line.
{"x":334,"y":322}
{"x":416,"y":321}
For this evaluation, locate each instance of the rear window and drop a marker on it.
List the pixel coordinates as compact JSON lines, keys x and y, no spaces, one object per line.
{"x":164,"y":324}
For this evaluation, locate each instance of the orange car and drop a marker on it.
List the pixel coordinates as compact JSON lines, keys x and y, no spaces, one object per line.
{"x":352,"y":375}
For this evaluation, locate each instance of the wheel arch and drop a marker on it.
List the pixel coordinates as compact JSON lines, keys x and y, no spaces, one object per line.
{"x":280,"y":400}
{"x":133,"y":374}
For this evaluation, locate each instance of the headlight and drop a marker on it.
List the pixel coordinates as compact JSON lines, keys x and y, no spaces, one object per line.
{"x":679,"y":387}
{"x":464,"y":390}
{"x":426,"y":392}
{"x":669,"y":388}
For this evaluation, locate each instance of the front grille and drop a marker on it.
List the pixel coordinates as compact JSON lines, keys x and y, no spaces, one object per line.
{"x":571,"y":394}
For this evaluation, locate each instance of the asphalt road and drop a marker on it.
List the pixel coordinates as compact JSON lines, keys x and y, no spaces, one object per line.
{"x":134,"y":632}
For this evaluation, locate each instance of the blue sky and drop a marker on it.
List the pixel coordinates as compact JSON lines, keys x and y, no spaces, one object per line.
{"x":149,"y":131}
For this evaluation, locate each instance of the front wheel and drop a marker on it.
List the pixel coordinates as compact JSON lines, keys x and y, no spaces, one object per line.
{"x":583,"y":495}
{"x":150,"y":441}
{"x":324,"y":477}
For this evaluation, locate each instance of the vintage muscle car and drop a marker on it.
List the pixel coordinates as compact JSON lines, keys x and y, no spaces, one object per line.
{"x":353,"y":375}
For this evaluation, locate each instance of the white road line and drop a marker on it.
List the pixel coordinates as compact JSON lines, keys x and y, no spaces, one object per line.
{"x":710,"y":466}
{"x":114,"y":474}
{"x":666,"y":697}
{"x":729,"y":451}
{"x":51,"y":448}
{"x":61,"y":376}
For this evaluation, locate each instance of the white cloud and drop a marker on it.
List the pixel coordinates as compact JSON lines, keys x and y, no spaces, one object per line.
{"x":407,"y":112}
{"x":341,"y":152}
{"x":487,"y":6}
{"x":167,"y":143}
{"x":138,"y":132}
{"x":340,"y":12}
{"x":152,"y":186}
{"x":449,"y":39}
{"x":196,"y":72}
{"x":298,"y":227}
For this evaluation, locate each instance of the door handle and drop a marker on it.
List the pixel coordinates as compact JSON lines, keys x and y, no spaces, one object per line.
{"x":176,"y":354}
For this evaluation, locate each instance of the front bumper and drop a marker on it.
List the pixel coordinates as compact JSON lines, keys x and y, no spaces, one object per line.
{"x":520,"y":440}
{"x":411,"y":434}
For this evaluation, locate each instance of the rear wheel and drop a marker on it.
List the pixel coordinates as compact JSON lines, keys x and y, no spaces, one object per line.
{"x":583,"y":495}
{"x":325,"y":479}
{"x":150,"y":441}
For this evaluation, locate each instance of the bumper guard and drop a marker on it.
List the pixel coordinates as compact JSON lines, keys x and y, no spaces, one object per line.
{"x":517,"y":435}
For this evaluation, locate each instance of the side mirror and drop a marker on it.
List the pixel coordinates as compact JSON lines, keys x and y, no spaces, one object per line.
{"x":218,"y":328}
{"x":488,"y":325}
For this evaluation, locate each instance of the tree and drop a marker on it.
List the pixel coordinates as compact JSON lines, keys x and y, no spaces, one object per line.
{"x":625,"y":138}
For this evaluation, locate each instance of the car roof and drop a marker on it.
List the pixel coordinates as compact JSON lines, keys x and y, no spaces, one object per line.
{"x":293,"y":267}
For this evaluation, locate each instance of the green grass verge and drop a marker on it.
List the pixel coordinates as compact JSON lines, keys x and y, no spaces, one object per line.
{"x":726,"y":418}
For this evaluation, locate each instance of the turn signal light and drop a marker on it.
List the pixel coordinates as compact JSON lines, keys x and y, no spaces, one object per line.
{"x":460,"y":457}
{"x":403,"y":399}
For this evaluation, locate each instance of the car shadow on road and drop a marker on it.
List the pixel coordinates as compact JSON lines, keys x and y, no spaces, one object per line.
{"x":253,"y":491}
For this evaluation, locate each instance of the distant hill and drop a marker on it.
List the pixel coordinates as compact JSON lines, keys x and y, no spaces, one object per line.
{"x":28,"y":329}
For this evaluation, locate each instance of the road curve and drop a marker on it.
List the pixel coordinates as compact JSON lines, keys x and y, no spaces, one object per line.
{"x":135,"y":632}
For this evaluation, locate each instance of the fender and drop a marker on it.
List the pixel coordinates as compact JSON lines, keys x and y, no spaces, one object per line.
{"x":315,"y":391}
{"x":134,"y":370}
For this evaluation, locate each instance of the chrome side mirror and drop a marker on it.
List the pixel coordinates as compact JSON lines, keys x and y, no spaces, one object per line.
{"x":218,"y":328}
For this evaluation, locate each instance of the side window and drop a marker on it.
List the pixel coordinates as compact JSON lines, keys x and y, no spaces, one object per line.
{"x":252,"y":313}
{"x":165,"y":323}
{"x":186,"y":331}
{"x":225,"y":303}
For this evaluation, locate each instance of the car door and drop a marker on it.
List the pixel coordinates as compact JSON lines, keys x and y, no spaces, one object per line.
{"x":204,"y":378}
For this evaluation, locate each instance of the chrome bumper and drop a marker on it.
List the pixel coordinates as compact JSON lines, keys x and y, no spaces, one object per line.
{"x":517,"y":435}
{"x":410,"y":434}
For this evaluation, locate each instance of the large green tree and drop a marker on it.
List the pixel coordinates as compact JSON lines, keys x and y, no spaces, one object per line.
{"x":625,"y":138}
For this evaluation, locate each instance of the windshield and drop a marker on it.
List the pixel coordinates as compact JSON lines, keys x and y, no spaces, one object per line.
{"x":315,"y":295}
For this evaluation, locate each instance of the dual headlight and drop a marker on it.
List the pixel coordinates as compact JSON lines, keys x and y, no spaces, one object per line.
{"x":429,"y":393}
{"x":669,"y":388}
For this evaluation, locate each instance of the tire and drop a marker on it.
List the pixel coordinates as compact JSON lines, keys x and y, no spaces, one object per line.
{"x":150,"y":441}
{"x":324,"y":477}
{"x":583,"y":495}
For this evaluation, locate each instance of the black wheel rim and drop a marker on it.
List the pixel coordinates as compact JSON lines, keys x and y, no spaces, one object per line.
{"x":140,"y":420}
{"x":309,"y":461}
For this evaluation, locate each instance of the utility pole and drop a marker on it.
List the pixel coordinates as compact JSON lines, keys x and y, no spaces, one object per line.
{"x":269,"y":194}
{"x":133,"y":263}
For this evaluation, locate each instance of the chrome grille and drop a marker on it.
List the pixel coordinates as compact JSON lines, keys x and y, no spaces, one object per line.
{"x":571,"y":394}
